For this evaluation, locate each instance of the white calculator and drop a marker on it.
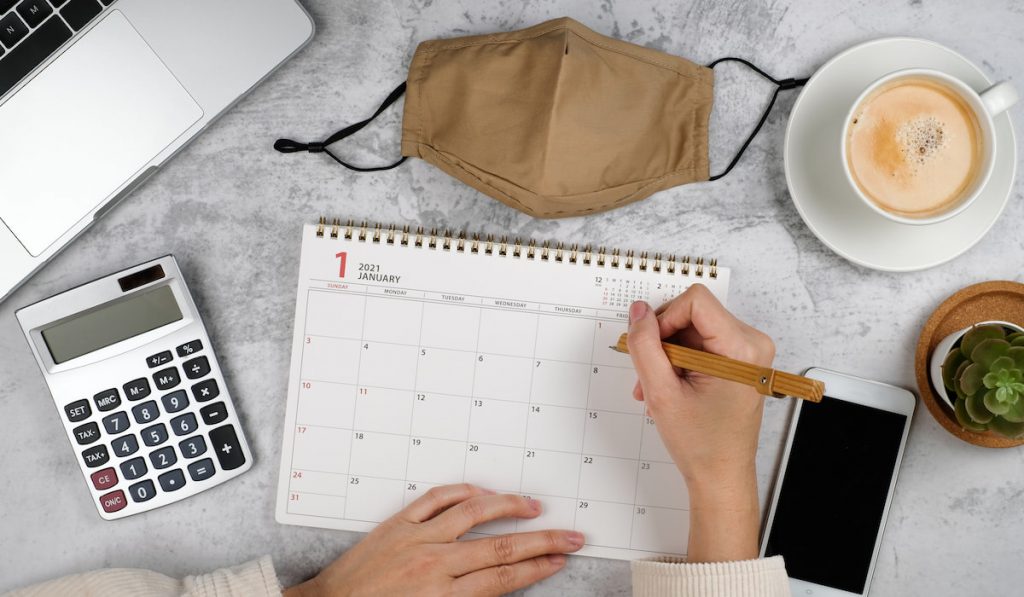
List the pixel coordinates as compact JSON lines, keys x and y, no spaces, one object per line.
{"x":138,"y":388}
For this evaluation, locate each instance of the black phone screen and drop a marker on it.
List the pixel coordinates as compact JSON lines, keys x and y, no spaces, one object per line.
{"x":834,"y":490}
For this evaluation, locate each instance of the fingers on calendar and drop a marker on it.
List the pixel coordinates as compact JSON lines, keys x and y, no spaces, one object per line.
{"x":524,"y":403}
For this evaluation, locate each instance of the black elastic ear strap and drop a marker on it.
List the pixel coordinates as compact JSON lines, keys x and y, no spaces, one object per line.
{"x":780,"y":85}
{"x":289,"y":146}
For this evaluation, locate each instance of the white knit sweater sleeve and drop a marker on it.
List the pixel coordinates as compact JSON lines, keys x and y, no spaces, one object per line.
{"x":665,"y":577}
{"x":252,"y":579}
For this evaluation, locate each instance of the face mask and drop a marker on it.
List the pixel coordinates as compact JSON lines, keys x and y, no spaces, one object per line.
{"x":555,"y":120}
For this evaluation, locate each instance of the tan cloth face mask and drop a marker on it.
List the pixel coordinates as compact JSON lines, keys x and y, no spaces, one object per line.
{"x":554,"y":120}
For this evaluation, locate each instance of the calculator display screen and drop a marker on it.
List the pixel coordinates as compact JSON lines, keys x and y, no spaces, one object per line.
{"x":111,"y":323}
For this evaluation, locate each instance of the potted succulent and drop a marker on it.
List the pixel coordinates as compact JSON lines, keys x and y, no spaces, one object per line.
{"x":979,"y":373}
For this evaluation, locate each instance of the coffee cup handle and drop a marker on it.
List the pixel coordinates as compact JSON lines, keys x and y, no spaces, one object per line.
{"x":999,"y":97}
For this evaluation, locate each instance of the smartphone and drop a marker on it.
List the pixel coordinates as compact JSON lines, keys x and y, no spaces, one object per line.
{"x":836,"y":482}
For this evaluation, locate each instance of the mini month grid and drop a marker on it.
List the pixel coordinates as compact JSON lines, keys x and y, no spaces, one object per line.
{"x":415,"y":366}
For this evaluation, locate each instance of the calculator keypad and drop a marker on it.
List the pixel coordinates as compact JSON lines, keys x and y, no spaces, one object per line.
{"x":146,"y":461}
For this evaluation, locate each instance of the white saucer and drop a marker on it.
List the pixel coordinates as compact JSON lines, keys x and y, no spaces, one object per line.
{"x":818,"y":186}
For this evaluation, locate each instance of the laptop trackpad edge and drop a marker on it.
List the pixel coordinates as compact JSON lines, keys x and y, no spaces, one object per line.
{"x":85,"y":125}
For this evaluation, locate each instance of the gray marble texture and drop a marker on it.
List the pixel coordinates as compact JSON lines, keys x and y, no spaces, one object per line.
{"x":230,"y":209}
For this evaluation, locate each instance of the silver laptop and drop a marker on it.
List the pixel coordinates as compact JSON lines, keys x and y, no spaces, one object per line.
{"x":95,"y":95}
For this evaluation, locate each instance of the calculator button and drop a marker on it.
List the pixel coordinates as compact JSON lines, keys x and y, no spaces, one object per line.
{"x":204,"y":390}
{"x":136,"y":389}
{"x":166,"y":378}
{"x":86,"y":434}
{"x":95,"y":456}
{"x":163,"y":458}
{"x":145,"y":412}
{"x":175,"y":401}
{"x":79,"y":410}
{"x":225,"y":444}
{"x":214,"y":413}
{"x":134,"y":468}
{"x":201,"y":469}
{"x":125,"y":445}
{"x":154,"y":435}
{"x":159,"y":359}
{"x":113,"y":501}
{"x":192,"y":447}
{"x":196,"y":368}
{"x":107,"y":399}
{"x":142,"y":491}
{"x":185,"y":424}
{"x":104,"y":479}
{"x":188,"y":348}
{"x":172,"y":481}
{"x":116,"y":423}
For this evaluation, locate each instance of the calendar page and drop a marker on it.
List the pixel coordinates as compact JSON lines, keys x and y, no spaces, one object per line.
{"x":415,"y":366}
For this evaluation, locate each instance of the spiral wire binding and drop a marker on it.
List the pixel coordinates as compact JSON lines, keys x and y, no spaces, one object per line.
{"x":502,"y":246}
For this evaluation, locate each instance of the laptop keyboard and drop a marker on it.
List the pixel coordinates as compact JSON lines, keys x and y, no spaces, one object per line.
{"x":32,"y":30}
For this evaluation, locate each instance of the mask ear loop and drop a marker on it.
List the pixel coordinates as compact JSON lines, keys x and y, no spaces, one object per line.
{"x":780,"y":85}
{"x":289,"y":146}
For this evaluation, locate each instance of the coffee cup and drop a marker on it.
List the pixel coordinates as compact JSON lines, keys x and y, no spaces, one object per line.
{"x":918,"y":145}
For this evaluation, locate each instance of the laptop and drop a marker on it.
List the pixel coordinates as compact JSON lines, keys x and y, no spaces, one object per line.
{"x":96,"y":95}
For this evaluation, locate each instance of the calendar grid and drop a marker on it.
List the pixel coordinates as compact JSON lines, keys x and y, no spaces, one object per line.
{"x":410,"y":372}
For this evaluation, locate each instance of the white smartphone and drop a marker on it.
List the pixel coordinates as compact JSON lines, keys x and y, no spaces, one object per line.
{"x":836,"y":482}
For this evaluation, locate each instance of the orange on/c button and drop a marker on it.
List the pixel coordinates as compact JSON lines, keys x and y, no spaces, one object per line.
{"x":113,"y":501}
{"x":104,"y":479}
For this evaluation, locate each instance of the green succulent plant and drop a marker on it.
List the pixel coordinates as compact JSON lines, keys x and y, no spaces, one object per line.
{"x":985,"y":372}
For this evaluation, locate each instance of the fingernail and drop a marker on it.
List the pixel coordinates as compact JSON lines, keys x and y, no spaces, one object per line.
{"x":535,"y":505}
{"x":637,"y":310}
{"x":575,"y":538}
{"x":557,"y":559}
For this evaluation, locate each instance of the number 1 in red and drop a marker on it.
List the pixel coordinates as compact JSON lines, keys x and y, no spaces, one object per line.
{"x":343,"y":256}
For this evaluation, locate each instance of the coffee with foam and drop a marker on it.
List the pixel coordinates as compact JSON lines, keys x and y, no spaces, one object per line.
{"x":914,"y":147}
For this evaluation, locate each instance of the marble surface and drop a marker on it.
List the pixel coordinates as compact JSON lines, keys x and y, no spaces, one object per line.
{"x":230,"y":209}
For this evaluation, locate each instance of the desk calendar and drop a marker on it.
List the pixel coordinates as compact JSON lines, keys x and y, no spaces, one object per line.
{"x":424,"y":359}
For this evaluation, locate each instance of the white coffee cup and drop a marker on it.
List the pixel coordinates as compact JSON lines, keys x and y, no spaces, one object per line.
{"x":986,"y":105}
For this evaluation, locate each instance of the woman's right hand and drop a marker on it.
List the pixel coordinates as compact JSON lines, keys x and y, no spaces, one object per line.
{"x":709,"y":426}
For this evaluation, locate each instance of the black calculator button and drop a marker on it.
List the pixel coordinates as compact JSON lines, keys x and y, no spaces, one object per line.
{"x":125,"y":445}
{"x":201,"y":469}
{"x":225,"y":444}
{"x":145,"y":412}
{"x":214,"y":413}
{"x":116,"y":423}
{"x":163,"y":458}
{"x":95,"y":456}
{"x":86,"y":434}
{"x":142,"y":491}
{"x":185,"y":424}
{"x":107,"y":399}
{"x":205,"y":390}
{"x":196,"y":368}
{"x":136,"y":389}
{"x":159,"y":359}
{"x":189,"y":348}
{"x":175,"y":401}
{"x":134,"y":468}
{"x":166,"y":378}
{"x":79,"y":410}
{"x":172,"y":481}
{"x":154,"y":435}
{"x":192,"y":447}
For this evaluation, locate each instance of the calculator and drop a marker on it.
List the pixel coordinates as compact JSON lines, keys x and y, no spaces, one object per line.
{"x":138,"y":388}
